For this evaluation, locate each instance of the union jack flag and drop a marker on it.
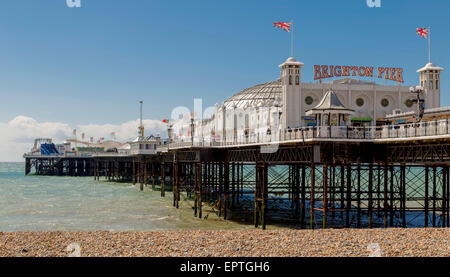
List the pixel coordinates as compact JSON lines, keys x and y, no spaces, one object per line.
{"x":422,"y":32}
{"x":283,"y":25}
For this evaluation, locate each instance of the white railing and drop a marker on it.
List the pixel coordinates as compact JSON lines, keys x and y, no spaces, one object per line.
{"x":423,"y":129}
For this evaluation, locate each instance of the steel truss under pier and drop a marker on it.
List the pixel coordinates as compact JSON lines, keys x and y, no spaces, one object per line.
{"x":322,"y":184}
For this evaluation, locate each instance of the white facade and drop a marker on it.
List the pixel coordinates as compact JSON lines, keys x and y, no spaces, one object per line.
{"x":430,"y":80}
{"x":143,"y":146}
{"x":264,"y":109}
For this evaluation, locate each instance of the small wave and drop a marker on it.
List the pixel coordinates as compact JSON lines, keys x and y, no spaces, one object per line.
{"x":162,"y":218}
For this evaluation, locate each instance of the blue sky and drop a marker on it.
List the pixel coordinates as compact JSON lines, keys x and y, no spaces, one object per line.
{"x":91,"y":65}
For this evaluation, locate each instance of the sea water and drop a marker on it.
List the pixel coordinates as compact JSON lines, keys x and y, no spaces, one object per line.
{"x":43,"y":203}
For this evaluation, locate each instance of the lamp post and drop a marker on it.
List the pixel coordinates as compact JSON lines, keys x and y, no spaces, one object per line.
{"x":169,"y":134}
{"x":420,"y":102}
{"x":192,"y":131}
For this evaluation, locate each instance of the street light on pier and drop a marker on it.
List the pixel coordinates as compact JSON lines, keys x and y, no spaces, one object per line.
{"x":418,"y":90}
{"x":192,"y":131}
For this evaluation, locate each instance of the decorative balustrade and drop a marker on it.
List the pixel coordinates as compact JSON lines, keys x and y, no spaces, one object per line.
{"x":413,"y":130}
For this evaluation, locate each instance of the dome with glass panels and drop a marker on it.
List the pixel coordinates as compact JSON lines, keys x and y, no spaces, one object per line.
{"x":262,"y":95}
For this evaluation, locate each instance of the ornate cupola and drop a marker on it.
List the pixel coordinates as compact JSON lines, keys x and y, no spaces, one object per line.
{"x":291,"y":74}
{"x":430,"y":80}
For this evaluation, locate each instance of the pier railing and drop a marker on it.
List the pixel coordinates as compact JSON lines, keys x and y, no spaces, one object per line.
{"x":420,"y":130}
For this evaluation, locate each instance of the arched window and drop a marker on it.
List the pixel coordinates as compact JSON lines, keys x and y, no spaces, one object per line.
{"x":297,"y":80}
{"x":290,"y":80}
{"x":437,"y":84}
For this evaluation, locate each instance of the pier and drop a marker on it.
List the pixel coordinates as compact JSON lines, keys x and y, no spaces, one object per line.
{"x":308,"y":177}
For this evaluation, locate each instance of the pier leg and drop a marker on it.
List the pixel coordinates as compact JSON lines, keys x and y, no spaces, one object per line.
{"x":233,"y":185}
{"x":434,"y":197}
{"x":265,"y":186}
{"x":256,"y":214}
{"x":325,"y":196}
{"x":175,"y":184}
{"x":296,"y":190}
{"x":261,"y":194}
{"x":226,"y":188}
{"x":290,"y":185}
{"x":163,"y":179}
{"x":303,"y":200}
{"x":154,"y":176}
{"x":312,"y":203}
{"x":237,"y":182}
{"x":378,"y":199}
{"x":220,"y":165}
{"x":143,"y":173}
{"x":349,"y":196}
{"x":370,"y":202}
{"x":448,"y":198}
{"x":358,"y":198}
{"x":391,"y":206}
{"x":342,"y":192}
{"x":116,"y":168}
{"x":134,"y":173}
{"x":385,"y":197}
{"x":196,"y":183}
{"x":333,"y":190}
{"x":444,"y":194}
{"x":403,"y":195}
{"x":27,"y":166}
{"x":202,"y":182}
{"x":207,"y":180}
{"x":426,"y":197}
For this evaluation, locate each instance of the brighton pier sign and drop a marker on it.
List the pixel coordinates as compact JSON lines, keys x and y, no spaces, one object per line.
{"x":330,"y":71}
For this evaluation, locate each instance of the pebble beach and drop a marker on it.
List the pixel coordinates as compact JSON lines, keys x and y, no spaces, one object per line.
{"x":432,"y":242}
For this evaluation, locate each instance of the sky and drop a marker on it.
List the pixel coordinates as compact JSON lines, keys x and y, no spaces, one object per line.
{"x":86,"y":68}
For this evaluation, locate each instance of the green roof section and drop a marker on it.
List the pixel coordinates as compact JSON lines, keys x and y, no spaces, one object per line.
{"x":365,"y":119}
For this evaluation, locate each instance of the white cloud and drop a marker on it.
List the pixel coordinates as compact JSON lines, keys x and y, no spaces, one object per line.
{"x":17,"y":136}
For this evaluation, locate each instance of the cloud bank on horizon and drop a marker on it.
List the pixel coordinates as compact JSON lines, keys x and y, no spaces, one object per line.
{"x":17,"y":136}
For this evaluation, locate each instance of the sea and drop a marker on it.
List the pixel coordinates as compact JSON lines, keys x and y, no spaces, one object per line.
{"x":43,"y":203}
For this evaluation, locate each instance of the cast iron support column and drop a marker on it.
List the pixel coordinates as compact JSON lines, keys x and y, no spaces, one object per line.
{"x":312,"y":203}
{"x":370,"y":202}
{"x":348,"y":206}
{"x":226,"y":188}
{"x":163,"y":179}
{"x":385,"y":197}
{"x":426,"y":197}
{"x":325,"y":196}
{"x":303,"y":200}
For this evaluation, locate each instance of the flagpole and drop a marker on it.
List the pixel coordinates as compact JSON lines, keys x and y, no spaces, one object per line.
{"x":292,"y":39}
{"x":429,"y":45}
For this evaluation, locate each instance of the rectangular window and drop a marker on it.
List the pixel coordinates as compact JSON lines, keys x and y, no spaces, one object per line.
{"x":437,"y":84}
{"x":431,"y":84}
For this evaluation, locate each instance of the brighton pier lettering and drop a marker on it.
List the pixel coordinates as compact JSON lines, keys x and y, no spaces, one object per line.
{"x":330,"y":71}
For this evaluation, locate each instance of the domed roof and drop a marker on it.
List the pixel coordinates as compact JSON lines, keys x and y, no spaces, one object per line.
{"x":430,"y":66}
{"x":291,"y":61}
{"x":266,"y":94}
